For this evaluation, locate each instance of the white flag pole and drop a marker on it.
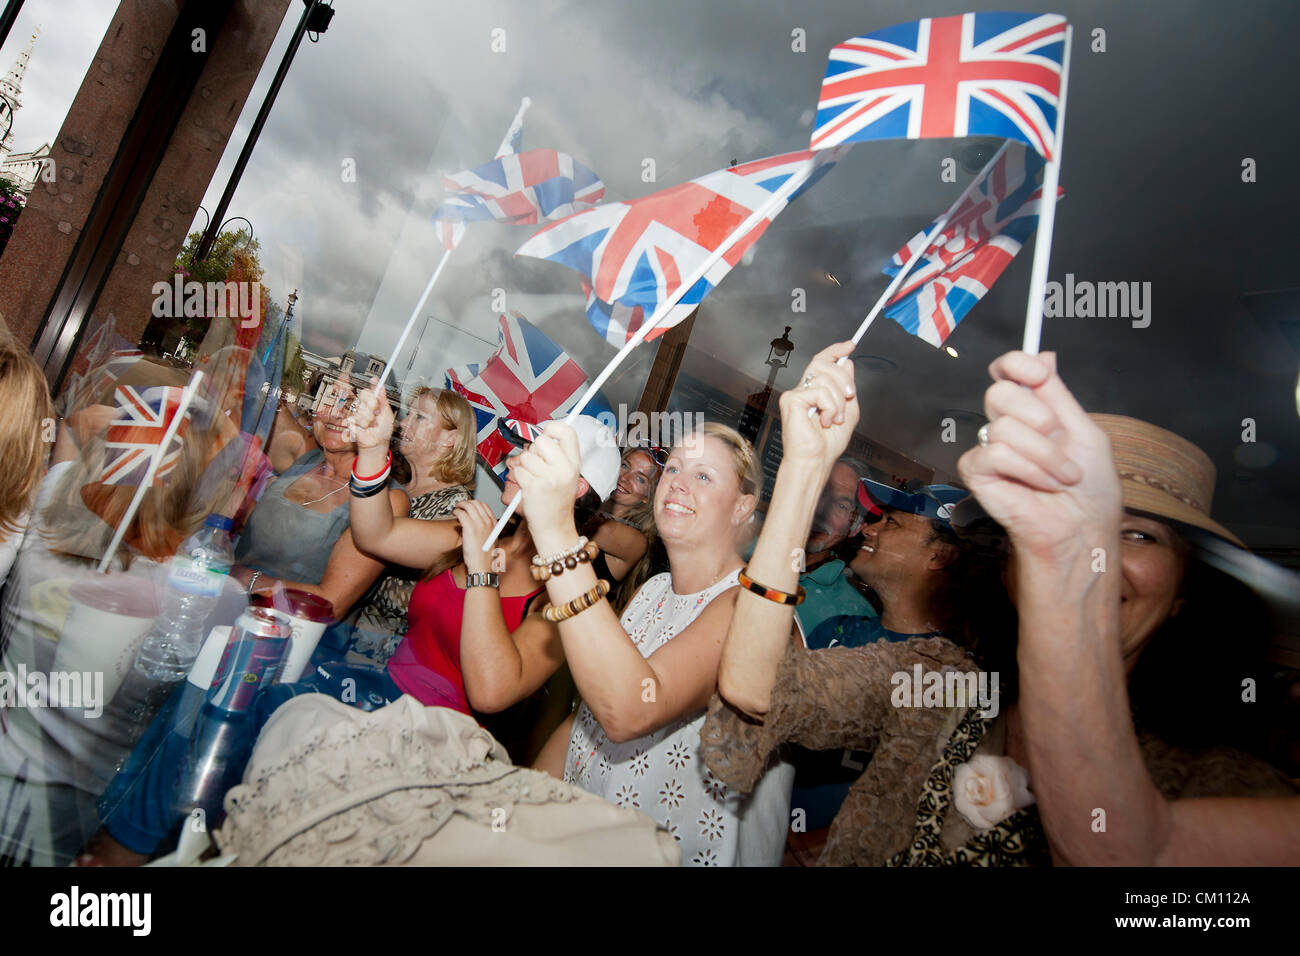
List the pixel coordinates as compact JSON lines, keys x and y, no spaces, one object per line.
{"x":1047,"y":216}
{"x":155,"y":460}
{"x":915,"y":257}
{"x":783,"y":193}
{"x":410,"y":323}
{"x":504,"y":149}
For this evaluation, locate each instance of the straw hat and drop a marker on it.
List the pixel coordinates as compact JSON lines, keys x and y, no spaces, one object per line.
{"x":1162,"y":474}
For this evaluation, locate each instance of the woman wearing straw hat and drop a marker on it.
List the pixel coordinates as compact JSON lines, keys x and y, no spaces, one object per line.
{"x":1044,"y":471}
{"x":953,"y":780}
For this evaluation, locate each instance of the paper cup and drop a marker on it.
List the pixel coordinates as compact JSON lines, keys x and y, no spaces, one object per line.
{"x":310,"y":615}
{"x":108,"y":618}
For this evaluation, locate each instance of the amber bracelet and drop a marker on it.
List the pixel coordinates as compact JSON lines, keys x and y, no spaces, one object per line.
{"x":579,"y":604}
{"x":771,"y":594}
{"x":586,"y":555}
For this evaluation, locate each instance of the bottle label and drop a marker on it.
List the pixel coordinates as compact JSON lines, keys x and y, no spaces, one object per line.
{"x":193,"y":574}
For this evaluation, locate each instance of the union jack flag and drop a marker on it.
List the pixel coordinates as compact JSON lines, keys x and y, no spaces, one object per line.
{"x":986,"y":74}
{"x":527,"y":380}
{"x":991,"y":208}
{"x":104,"y":357}
{"x":932,"y":308}
{"x":136,"y":434}
{"x":528,"y":431}
{"x":617,"y":323}
{"x":635,"y":254}
{"x":522,"y":188}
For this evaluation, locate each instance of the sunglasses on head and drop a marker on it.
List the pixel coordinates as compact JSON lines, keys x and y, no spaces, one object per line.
{"x":658,"y":455}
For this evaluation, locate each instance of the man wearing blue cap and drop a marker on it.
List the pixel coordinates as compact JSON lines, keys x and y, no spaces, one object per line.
{"x":907,"y":556}
{"x":824,"y":576}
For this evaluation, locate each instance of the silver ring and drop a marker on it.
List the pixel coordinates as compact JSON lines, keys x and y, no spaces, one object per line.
{"x":983,"y":435}
{"x":807,"y":381}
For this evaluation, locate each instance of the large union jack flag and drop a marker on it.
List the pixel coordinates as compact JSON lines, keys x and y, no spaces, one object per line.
{"x":633,"y":255}
{"x":527,"y":380}
{"x":521,"y":188}
{"x":932,"y":308}
{"x":994,"y":206}
{"x":987,"y":74}
{"x":137,"y":433}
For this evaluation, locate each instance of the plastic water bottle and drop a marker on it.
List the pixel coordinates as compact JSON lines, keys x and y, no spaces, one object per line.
{"x":195,"y":581}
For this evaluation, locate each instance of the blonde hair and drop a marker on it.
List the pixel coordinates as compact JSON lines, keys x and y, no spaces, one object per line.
{"x":25,"y":397}
{"x":749,"y":472}
{"x":456,"y":465}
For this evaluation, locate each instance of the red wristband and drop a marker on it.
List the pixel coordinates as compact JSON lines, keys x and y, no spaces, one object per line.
{"x":387,"y":464}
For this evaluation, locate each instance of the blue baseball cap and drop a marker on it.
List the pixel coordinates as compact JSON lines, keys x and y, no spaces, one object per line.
{"x":934,"y":502}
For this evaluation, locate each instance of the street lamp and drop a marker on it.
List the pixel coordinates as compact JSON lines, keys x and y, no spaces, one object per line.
{"x":315,"y":19}
{"x":778,"y":355}
{"x":752,"y":418}
{"x":207,"y":221}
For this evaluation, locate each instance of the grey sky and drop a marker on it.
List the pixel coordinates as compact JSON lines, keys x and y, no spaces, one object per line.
{"x":1157,"y":128}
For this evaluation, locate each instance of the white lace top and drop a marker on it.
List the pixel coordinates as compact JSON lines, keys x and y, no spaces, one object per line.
{"x":662,"y":775}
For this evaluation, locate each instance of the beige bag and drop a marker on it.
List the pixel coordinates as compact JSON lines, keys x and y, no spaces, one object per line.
{"x":330,"y":785}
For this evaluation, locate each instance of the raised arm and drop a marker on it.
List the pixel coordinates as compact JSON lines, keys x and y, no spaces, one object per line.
{"x":401,"y":540}
{"x":622,"y":545}
{"x":761,"y":629}
{"x":1048,"y":477}
{"x":629,"y":695}
{"x":499,"y":668}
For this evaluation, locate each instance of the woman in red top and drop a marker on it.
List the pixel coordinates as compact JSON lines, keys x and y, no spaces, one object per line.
{"x":471,"y":642}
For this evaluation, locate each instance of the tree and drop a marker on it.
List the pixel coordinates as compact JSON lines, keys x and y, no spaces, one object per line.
{"x":235,"y":257}
{"x":11,"y":206}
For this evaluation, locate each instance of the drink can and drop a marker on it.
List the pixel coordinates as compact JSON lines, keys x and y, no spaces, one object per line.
{"x":256,"y":650}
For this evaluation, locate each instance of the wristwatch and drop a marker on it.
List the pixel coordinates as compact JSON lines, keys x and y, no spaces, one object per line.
{"x":482,"y":579}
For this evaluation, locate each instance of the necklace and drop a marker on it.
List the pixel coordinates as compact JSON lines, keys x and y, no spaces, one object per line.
{"x":324,"y":496}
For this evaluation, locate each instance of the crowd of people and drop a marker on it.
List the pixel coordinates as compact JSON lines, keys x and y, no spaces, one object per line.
{"x":1033,"y":668}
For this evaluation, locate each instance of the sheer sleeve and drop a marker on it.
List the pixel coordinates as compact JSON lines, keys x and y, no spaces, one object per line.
{"x":823,"y":700}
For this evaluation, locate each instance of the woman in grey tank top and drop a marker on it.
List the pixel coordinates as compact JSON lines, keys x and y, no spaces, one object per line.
{"x":298,"y":533}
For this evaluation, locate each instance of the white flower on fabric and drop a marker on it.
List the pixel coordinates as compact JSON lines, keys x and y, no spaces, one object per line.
{"x":714,"y":787}
{"x":711,"y":825}
{"x":678,"y":756}
{"x":627,"y":797}
{"x":671,"y":794}
{"x":705,"y":857}
{"x":640,"y":763}
{"x":986,"y":790}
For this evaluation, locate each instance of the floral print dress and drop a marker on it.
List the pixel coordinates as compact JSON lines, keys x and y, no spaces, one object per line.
{"x":662,"y":774}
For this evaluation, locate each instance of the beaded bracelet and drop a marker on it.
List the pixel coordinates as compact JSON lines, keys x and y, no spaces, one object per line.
{"x":539,"y":561}
{"x":771,"y":594}
{"x":547,"y":571}
{"x":579,"y":604}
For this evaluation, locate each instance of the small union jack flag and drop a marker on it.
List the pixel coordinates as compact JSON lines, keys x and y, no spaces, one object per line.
{"x":932,"y":308}
{"x":997,"y":199}
{"x":137,"y":433}
{"x":527,"y":380}
{"x":633,"y":255}
{"x":528,"y":431}
{"x":521,"y":188}
{"x":985,"y":74}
